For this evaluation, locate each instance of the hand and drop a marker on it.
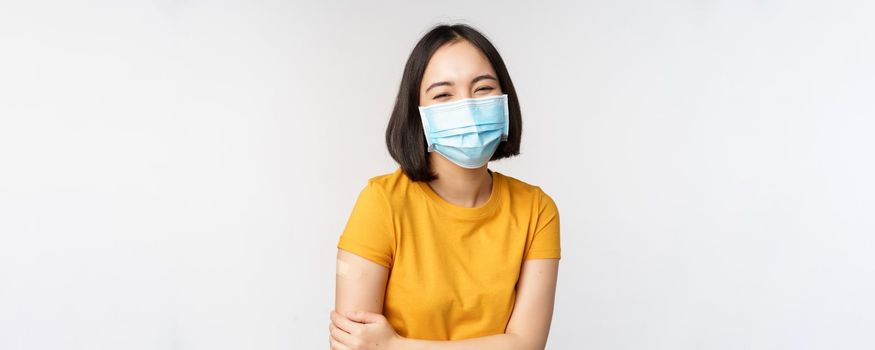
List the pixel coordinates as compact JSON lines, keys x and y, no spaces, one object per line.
{"x":362,"y":330}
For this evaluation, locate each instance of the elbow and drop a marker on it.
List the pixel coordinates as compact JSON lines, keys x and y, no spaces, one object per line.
{"x":527,"y":341}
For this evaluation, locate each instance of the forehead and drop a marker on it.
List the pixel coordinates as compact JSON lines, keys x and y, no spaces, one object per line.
{"x":456,"y":61}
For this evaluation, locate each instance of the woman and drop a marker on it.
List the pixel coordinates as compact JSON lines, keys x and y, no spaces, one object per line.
{"x":444,"y":253}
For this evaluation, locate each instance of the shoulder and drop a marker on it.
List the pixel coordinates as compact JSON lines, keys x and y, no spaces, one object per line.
{"x":389,"y":183}
{"x":519,"y":187}
{"x":524,"y":191}
{"x":391,"y":187}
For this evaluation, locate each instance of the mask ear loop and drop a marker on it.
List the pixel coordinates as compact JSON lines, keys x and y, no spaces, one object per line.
{"x":506,"y":131}
{"x":425,"y":128}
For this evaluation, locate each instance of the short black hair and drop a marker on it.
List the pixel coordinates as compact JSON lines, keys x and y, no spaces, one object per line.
{"x":404,"y":135}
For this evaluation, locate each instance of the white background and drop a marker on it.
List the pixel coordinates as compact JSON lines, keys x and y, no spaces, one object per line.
{"x":176,"y":174}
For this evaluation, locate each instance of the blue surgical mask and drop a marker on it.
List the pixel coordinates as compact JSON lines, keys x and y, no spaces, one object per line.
{"x":468,"y":131}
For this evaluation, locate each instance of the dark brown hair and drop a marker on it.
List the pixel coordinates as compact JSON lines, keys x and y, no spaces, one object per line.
{"x":405,"y":137}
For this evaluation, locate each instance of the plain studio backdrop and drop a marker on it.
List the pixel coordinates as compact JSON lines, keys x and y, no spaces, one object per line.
{"x":176,"y":174}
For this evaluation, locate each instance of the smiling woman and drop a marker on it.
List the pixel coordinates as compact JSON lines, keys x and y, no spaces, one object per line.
{"x":445,"y":253}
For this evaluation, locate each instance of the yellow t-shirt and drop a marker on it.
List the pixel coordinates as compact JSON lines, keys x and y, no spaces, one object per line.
{"x":453,"y":270}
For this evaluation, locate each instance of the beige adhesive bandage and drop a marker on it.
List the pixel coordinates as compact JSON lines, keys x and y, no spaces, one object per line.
{"x":349,"y":271}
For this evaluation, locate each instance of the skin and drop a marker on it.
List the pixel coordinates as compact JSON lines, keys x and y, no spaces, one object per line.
{"x":455,"y":71}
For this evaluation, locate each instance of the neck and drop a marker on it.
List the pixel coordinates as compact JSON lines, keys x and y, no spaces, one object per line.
{"x":464,"y":187}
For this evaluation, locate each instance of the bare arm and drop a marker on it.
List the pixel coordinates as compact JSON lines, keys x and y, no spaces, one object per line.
{"x":529,"y":323}
{"x":361,"y":284}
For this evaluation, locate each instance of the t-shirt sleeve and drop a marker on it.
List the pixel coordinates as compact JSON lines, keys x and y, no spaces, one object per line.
{"x":545,"y":242}
{"x":369,"y":231}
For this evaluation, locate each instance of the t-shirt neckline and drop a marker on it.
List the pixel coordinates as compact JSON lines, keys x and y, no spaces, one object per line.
{"x":465,"y":212}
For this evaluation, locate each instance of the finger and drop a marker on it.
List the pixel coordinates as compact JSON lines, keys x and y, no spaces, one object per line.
{"x":342,"y":322}
{"x":364,"y":317}
{"x":336,"y":345}
{"x":341,"y":336}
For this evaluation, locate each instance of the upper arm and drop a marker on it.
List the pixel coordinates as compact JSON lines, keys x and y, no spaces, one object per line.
{"x":533,"y":308}
{"x":361,"y":283}
{"x":546,"y":238}
{"x":536,"y":289}
{"x":365,"y":253}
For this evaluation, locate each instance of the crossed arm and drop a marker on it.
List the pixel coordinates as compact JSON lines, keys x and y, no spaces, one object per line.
{"x":361,"y":286}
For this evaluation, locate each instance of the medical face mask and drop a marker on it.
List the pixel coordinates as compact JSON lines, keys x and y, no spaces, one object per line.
{"x":467,"y":132}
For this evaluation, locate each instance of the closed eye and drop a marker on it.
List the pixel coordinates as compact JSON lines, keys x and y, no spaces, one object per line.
{"x":483,"y":88}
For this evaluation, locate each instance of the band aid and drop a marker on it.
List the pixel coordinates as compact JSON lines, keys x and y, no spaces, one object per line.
{"x":349,"y":271}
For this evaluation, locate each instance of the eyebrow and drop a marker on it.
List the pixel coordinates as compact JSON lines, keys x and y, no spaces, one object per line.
{"x":473,"y":81}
